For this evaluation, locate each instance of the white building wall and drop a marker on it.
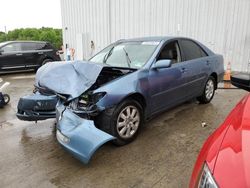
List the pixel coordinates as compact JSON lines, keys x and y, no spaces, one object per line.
{"x":222,"y":25}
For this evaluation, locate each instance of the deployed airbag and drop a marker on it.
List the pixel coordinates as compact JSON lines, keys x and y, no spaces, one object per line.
{"x":69,"y":78}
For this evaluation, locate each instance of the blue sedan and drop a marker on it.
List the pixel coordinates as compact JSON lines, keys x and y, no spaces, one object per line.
{"x":124,"y":85}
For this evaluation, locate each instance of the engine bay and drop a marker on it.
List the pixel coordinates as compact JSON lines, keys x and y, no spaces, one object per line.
{"x":108,"y":74}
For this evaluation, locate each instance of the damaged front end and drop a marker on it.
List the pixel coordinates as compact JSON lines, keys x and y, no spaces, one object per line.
{"x":71,"y":98}
{"x":76,"y":130}
{"x":85,"y":106}
{"x":77,"y":135}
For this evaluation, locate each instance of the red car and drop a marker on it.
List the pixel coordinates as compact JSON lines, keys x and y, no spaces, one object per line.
{"x":224,"y":160}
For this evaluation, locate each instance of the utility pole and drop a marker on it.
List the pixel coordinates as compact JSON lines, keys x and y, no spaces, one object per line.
{"x":5,"y":30}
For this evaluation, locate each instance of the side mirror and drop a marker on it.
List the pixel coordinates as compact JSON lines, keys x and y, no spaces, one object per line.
{"x":241,"y":80}
{"x":164,"y":63}
{"x":1,"y":51}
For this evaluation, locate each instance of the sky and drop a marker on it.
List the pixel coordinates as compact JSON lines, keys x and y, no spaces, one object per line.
{"x":29,"y":13}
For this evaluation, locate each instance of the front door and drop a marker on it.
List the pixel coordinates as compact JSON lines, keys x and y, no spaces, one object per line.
{"x":11,"y":57}
{"x":168,"y":85}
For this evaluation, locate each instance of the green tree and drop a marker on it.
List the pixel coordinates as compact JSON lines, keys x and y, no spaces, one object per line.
{"x":49,"y":36}
{"x":54,"y":36}
{"x":2,"y":36}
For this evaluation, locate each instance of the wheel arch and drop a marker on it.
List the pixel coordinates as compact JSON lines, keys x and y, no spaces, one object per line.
{"x":215,"y":76}
{"x":45,"y":58}
{"x":137,"y":97}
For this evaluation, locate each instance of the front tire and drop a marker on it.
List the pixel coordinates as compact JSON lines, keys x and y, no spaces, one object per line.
{"x":208,"y":92}
{"x":124,"y":123}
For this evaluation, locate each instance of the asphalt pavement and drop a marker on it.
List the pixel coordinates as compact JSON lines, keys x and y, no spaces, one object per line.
{"x":163,"y":154}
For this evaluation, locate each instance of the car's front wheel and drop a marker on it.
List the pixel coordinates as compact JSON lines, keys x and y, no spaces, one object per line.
{"x":208,"y":92}
{"x":124,"y":123}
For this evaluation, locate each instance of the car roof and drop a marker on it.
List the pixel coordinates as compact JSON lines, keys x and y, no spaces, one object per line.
{"x":23,"y":41}
{"x":7,"y":42}
{"x":164,"y":39}
{"x":154,"y":38}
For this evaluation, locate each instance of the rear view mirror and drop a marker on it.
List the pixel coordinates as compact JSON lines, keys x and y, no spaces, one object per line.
{"x":164,"y":63}
{"x":241,"y":80}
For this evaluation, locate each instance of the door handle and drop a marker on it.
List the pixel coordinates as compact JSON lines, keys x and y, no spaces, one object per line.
{"x":40,"y":53}
{"x":19,"y":54}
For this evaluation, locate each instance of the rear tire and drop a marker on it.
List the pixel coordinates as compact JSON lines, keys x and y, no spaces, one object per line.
{"x":43,"y":63}
{"x":6,"y":98}
{"x":208,"y":91}
{"x":46,"y":61}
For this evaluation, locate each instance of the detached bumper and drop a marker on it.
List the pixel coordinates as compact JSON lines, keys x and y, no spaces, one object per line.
{"x":36,"y":107}
{"x":35,"y":116}
{"x":79,"y":136}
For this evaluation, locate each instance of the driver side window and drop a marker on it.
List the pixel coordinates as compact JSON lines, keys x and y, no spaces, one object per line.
{"x":171,"y":51}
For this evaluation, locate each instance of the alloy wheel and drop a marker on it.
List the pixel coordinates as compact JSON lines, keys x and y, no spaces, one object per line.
{"x":128,"y":122}
{"x":209,"y":91}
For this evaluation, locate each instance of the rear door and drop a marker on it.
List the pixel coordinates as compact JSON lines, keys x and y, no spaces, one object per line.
{"x":198,"y":66}
{"x":168,"y":85}
{"x":11,"y":57}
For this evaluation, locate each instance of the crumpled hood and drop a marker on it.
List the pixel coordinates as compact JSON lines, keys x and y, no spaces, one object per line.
{"x":69,"y":78}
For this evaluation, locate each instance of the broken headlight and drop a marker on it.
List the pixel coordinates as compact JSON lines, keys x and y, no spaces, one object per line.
{"x":95,"y":97}
{"x":85,"y":101}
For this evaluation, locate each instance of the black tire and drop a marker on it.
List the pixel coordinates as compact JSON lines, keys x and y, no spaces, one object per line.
{"x":6,"y":98}
{"x":43,"y":63}
{"x":108,"y":121}
{"x":205,"y":97}
{"x":46,"y":61}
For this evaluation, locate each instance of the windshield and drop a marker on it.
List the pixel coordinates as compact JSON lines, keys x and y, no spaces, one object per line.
{"x":126,"y":54}
{"x":3,"y":43}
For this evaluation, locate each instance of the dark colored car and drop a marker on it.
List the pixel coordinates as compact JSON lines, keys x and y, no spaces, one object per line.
{"x":23,"y":55}
{"x":110,"y":97}
{"x":224,"y":158}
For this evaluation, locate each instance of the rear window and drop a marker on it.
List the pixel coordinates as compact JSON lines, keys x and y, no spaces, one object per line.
{"x":48,"y":46}
{"x":26,"y":46}
{"x":40,"y":46}
{"x":191,"y":50}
